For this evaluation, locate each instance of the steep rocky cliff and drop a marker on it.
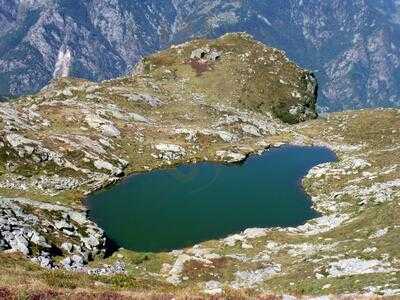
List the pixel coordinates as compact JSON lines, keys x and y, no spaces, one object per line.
{"x":352,"y":46}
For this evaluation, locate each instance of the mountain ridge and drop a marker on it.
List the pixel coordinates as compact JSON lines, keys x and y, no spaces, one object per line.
{"x":351,"y":46}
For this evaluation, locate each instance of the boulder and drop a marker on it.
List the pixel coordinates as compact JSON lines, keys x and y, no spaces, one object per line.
{"x":66,"y":262}
{"x":206,"y":54}
{"x":39,"y":240}
{"x":231,"y":157}
{"x":213,"y":287}
{"x":102,"y":164}
{"x":170,"y":151}
{"x":67,"y":247}
{"x":77,"y":260}
{"x":62,"y":224}
{"x":3,"y":245}
{"x":20,"y":244}
{"x":91,"y":241}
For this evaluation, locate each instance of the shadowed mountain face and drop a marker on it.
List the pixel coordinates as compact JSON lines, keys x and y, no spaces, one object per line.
{"x":352,"y":46}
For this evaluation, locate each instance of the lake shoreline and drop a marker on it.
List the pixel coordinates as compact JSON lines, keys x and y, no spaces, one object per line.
{"x":156,"y":172}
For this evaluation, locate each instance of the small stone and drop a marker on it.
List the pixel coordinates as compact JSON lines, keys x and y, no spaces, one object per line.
{"x":327,"y":286}
{"x":91,"y":241}
{"x":247,"y":246}
{"x":379,"y":233}
{"x":20,"y":244}
{"x":77,"y":260}
{"x":62,"y":224}
{"x":213,"y":287}
{"x":67,"y":247}
{"x":66,"y":262}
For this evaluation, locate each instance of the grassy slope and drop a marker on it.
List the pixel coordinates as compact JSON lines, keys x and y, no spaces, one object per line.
{"x":376,"y":130}
{"x":380,"y":130}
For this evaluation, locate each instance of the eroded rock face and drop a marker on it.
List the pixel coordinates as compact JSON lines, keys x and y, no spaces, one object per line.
{"x":250,"y":279}
{"x":353,"y":266}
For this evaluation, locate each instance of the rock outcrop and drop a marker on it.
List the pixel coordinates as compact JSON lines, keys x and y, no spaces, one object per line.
{"x":42,"y":230}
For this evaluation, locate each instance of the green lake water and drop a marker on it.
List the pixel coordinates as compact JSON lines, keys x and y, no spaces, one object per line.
{"x":174,"y":208}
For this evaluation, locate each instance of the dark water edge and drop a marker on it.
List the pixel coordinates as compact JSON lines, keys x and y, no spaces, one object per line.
{"x":175,"y":208}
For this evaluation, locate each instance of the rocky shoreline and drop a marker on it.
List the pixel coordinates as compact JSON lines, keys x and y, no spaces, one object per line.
{"x":42,"y":231}
{"x":333,"y":216}
{"x":75,"y":137}
{"x":72,"y":235}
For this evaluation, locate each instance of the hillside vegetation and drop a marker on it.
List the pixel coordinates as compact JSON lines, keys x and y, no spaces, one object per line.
{"x":207,"y":100}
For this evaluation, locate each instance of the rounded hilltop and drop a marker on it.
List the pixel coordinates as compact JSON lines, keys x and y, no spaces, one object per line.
{"x":240,"y":71}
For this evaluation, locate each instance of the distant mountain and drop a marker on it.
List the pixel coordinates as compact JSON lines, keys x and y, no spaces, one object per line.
{"x":351,"y":45}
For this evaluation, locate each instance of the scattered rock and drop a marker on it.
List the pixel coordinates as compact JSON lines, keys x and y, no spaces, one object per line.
{"x":321,"y":224}
{"x":250,"y":129}
{"x":20,"y":231}
{"x":105,"y":165}
{"x":354,"y":266}
{"x":250,"y":279}
{"x":206,"y":54}
{"x":379,"y":233}
{"x":102,"y":124}
{"x":145,"y":98}
{"x":213,"y":287}
{"x":67,"y":247}
{"x":231,"y":157}
{"x":170,"y":151}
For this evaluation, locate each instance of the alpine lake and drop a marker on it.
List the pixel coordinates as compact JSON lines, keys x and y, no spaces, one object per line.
{"x":174,"y":208}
